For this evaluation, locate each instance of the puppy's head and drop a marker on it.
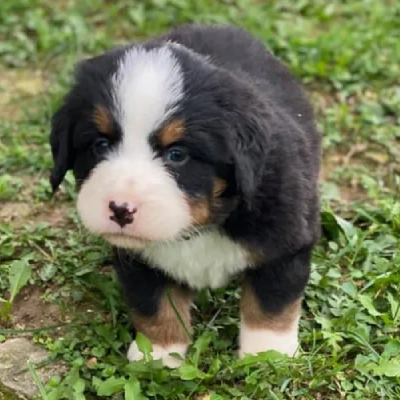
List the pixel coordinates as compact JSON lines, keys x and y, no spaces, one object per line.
{"x":161,"y":143}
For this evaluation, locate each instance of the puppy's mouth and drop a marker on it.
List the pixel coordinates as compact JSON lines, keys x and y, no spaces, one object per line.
{"x":128,"y":240}
{"x":124,"y":236}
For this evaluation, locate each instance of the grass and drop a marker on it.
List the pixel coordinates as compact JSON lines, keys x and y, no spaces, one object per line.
{"x":347,"y":53}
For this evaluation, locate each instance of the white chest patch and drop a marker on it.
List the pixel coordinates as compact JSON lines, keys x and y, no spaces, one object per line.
{"x":209,"y":260}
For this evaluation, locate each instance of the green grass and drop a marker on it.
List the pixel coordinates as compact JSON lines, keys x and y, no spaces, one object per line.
{"x":348,"y":55}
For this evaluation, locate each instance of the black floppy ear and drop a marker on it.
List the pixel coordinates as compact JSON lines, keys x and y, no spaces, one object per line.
{"x":61,"y":146}
{"x":251,"y":147}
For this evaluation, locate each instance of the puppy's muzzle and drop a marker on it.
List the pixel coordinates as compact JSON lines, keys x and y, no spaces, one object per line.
{"x":122,"y":213}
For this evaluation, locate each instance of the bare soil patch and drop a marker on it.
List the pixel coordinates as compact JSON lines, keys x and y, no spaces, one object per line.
{"x":54,"y":214}
{"x":14,"y":212}
{"x":16,"y":85}
{"x":350,"y":191}
{"x":30,"y":311}
{"x":20,"y":213}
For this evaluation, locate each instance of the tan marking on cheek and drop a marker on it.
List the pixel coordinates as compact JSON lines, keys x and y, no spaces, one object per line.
{"x":172,"y":133}
{"x":219,"y":187}
{"x":102,"y":119}
{"x":199,"y":211}
{"x":256,"y":318}
{"x":165,"y":328}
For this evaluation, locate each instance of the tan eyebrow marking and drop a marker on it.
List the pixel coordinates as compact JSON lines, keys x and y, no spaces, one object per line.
{"x":102,"y":119}
{"x":219,"y":187}
{"x":172,"y":133}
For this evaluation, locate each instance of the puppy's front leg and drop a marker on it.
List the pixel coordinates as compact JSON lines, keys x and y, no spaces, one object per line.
{"x":165,"y":327}
{"x":160,"y":310}
{"x":271,"y":305}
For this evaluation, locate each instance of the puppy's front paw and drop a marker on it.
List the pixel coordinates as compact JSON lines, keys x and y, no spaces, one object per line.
{"x":160,"y":353}
{"x":253,"y":341}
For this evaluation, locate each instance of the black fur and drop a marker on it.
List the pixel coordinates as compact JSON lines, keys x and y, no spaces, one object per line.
{"x":280,"y":282}
{"x":143,"y":286}
{"x":249,"y":123}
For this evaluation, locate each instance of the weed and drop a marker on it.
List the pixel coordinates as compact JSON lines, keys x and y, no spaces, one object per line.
{"x":18,"y":276}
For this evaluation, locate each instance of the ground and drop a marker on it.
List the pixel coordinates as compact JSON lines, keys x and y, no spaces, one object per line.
{"x":347,"y":53}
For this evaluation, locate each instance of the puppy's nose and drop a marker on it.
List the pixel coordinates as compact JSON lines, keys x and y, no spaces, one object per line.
{"x":122,"y":213}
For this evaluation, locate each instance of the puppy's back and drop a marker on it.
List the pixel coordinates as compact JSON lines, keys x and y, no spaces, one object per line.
{"x":236,"y":50}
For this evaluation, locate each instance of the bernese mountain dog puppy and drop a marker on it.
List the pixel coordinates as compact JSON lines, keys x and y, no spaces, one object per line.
{"x":197,"y":157}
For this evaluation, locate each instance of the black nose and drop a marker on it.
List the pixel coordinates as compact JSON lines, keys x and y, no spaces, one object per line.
{"x":123,"y":214}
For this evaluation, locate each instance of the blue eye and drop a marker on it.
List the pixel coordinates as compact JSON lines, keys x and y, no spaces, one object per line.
{"x":176,"y":155}
{"x":100,"y":147}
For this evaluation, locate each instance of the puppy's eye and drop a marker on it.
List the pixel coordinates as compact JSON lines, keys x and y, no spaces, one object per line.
{"x":100,"y":147}
{"x":176,"y":156}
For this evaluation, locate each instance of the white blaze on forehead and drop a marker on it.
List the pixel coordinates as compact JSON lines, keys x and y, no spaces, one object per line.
{"x":147,"y":86}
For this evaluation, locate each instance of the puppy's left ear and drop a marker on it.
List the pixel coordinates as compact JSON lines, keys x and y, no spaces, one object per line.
{"x":61,"y":146}
{"x":251,"y":148}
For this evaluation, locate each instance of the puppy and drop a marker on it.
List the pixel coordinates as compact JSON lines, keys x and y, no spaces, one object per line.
{"x":196,"y":156}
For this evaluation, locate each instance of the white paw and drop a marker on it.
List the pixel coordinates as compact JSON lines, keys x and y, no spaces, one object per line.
{"x":253,"y":341}
{"x":160,"y":353}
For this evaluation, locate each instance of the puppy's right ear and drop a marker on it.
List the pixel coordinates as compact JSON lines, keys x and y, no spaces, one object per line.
{"x":61,"y":146}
